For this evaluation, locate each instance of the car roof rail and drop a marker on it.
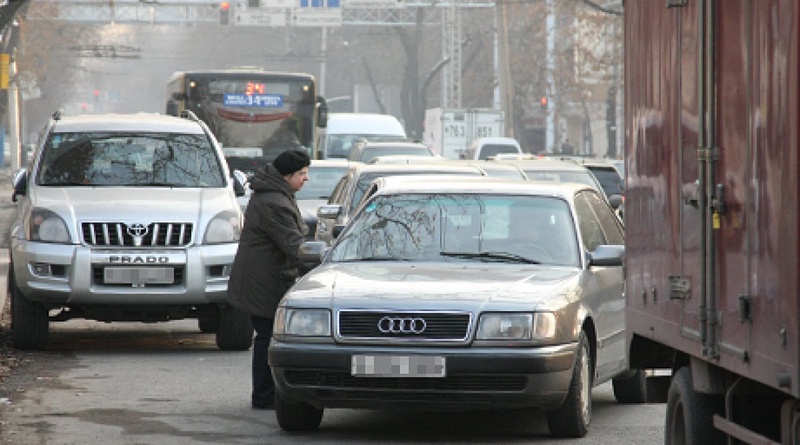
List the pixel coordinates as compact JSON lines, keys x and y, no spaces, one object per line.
{"x":189,"y":114}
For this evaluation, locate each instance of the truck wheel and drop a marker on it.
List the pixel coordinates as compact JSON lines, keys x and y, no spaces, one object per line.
{"x":235,"y":330}
{"x":208,"y":320}
{"x":296,"y":416}
{"x":572,"y":418}
{"x":631,"y":387}
{"x":30,"y":324}
{"x":690,"y":413}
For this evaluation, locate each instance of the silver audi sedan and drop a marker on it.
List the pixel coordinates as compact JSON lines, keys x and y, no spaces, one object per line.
{"x":459,"y":293}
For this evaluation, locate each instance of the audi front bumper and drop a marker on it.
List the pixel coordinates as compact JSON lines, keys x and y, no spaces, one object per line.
{"x":322,"y":375}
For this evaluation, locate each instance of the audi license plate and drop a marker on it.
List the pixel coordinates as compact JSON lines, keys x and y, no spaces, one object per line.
{"x":139,"y":275}
{"x":397,"y":366}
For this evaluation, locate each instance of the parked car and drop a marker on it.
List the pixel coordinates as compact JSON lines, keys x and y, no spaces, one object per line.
{"x":459,"y":293}
{"x":498,"y":170}
{"x":562,"y":171}
{"x":333,"y":216}
{"x":486,"y":147}
{"x":607,"y":174}
{"x":323,"y":175}
{"x":619,"y":164}
{"x":129,"y":217}
{"x":366,"y":150}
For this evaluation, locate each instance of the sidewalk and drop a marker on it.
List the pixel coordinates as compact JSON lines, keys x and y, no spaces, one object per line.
{"x":6,"y":208}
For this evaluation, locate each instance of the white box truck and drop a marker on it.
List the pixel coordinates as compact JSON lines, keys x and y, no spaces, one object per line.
{"x":450,"y":131}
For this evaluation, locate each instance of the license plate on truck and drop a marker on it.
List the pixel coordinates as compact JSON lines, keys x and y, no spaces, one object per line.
{"x":397,"y":366}
{"x":139,"y":275}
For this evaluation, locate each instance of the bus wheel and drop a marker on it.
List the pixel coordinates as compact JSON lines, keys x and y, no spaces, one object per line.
{"x":690,"y":414}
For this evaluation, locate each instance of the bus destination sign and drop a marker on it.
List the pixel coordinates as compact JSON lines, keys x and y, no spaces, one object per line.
{"x":253,"y":100}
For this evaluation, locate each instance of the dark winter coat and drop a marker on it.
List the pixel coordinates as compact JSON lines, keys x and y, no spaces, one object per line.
{"x":267,"y":262}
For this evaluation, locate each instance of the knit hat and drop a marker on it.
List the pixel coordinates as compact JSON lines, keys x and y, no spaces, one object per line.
{"x":290,"y":161}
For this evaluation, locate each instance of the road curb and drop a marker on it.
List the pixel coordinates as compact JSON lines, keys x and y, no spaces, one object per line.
{"x":3,"y":281}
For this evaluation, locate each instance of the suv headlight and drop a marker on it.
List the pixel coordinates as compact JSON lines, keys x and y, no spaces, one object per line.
{"x":517,"y":326}
{"x":46,"y":226}
{"x":302,"y":322}
{"x":225,"y":227}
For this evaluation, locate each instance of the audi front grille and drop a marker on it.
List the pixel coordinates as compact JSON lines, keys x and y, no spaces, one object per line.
{"x":406,"y":326}
{"x":118,"y":234}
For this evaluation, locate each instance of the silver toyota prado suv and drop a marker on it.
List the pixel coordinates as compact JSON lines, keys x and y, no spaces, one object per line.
{"x":125,"y":218}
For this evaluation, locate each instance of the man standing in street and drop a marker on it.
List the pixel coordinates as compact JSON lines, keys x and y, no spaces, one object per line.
{"x":267,"y":263}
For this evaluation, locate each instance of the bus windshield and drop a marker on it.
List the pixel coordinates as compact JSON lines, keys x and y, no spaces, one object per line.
{"x":255,"y":115}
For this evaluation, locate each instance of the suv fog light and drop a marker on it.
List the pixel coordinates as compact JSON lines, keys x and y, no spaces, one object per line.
{"x":41,"y":269}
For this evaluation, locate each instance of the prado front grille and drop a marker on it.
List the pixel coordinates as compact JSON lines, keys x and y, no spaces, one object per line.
{"x":159,"y":234}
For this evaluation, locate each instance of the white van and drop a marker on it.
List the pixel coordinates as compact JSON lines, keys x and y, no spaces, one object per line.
{"x":345,"y":129}
{"x":485,"y":148}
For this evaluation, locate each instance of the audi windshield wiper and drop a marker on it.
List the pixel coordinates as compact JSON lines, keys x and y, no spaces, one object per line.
{"x":375,"y":258}
{"x":502,"y":256}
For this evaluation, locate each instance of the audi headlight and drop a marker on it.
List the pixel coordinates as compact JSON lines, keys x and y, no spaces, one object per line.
{"x":517,"y":326}
{"x":225,"y":227}
{"x":44,"y":225}
{"x":302,"y":322}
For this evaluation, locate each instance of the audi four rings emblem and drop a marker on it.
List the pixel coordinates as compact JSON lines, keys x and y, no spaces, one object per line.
{"x":401,"y":325}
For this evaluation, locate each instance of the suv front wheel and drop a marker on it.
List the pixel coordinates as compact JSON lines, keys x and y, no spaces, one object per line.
{"x":30,"y":324}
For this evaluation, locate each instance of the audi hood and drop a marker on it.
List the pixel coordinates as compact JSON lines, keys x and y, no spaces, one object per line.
{"x":432,"y":286}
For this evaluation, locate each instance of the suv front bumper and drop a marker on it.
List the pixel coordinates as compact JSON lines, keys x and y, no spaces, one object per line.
{"x":59,"y":274}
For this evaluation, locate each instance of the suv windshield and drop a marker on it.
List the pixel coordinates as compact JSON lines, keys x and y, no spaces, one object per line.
{"x":130,"y":159}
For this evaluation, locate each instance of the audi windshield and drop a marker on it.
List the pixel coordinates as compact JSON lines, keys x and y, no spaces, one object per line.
{"x":461,"y":227}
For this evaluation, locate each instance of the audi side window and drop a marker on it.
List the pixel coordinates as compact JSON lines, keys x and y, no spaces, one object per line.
{"x":609,"y":222}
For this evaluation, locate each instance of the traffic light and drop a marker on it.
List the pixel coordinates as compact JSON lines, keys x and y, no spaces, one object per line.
{"x":224,"y":13}
{"x":543,"y":102}
{"x":96,"y":94}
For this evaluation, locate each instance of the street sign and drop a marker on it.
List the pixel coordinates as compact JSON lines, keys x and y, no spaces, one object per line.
{"x":374,"y":4}
{"x":328,"y":17}
{"x":261,"y":17}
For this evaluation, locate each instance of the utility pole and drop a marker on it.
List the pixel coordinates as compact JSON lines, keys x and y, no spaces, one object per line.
{"x":452,"y":38}
{"x":550,"y":125}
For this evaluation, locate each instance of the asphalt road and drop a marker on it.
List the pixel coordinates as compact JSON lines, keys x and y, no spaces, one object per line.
{"x":130,"y":383}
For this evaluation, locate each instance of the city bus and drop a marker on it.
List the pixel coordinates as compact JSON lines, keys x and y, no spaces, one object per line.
{"x":255,"y":114}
